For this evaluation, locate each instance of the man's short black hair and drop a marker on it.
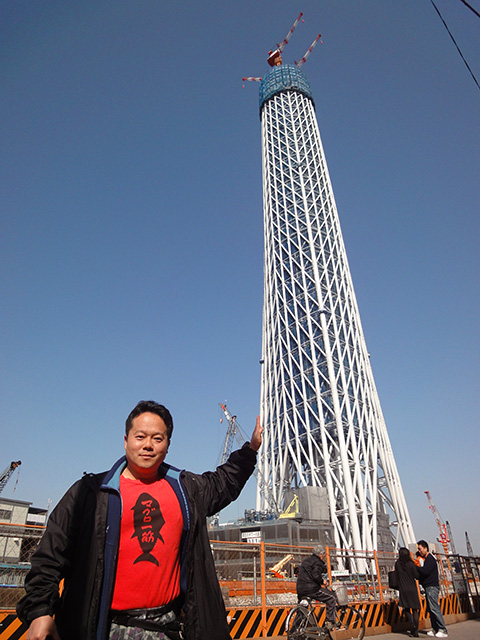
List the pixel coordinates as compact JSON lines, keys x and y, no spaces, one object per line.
{"x":422,"y":543}
{"x":150,"y":406}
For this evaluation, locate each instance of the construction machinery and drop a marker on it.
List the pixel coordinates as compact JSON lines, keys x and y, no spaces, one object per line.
{"x":449,"y":532}
{"x":278,"y":569}
{"x":443,"y":537}
{"x":469,"y":546}
{"x":292,"y":510}
{"x":275,"y":55}
{"x":235,"y":432}
{"x":7,"y":473}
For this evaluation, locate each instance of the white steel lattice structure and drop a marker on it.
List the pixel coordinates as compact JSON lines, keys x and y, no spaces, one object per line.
{"x":323,"y":424}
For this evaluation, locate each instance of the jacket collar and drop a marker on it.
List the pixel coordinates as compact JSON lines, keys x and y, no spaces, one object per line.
{"x":112,"y":479}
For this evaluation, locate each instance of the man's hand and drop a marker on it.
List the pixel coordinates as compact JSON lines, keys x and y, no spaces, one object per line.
{"x":42,"y":628}
{"x":256,"y":439}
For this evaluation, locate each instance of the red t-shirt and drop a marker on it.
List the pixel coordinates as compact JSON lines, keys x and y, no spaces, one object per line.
{"x":148,"y":569}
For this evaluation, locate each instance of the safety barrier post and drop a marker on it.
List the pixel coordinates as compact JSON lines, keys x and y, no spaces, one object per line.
{"x":378,"y":576}
{"x":264,"y":589}
{"x":329,"y":567}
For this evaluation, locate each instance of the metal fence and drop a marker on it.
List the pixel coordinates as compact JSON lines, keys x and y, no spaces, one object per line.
{"x":17,"y":543}
{"x":262,"y":574}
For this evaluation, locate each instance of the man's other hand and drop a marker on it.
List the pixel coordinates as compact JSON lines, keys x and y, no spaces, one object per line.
{"x":42,"y":628}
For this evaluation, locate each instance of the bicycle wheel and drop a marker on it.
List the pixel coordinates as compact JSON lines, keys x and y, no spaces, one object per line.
{"x":350,"y":622}
{"x":301,"y":624}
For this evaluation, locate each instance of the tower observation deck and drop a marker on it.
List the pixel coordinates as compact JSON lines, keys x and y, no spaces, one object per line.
{"x":323,"y":424}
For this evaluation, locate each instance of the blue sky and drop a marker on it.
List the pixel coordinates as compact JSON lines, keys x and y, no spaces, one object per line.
{"x":132,"y":227}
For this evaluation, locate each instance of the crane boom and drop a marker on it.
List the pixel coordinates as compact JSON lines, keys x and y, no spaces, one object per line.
{"x":6,"y":474}
{"x":284,"y":42}
{"x":309,"y":51}
{"x":277,"y":568}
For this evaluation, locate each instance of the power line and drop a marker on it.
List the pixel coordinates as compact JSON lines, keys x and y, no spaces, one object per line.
{"x":454,"y":42}
{"x":471,"y":8}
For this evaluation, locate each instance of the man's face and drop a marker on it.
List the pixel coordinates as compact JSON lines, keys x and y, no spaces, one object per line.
{"x":422,"y":550}
{"x":146,"y":446}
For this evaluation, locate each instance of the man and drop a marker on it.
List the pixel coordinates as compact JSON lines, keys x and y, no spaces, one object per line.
{"x":311,"y":583}
{"x":428,"y":578}
{"x":132,"y":546}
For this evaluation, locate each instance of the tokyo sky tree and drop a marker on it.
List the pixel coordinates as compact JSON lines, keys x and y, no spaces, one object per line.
{"x":323,"y":424}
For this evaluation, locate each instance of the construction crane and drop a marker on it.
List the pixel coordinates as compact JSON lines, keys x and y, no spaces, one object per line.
{"x":5,"y":477}
{"x":275,"y":56}
{"x":449,"y":532}
{"x":235,"y":432}
{"x":443,"y":537}
{"x":469,"y":546}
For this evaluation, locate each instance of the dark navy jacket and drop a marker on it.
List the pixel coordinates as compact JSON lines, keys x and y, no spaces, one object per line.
{"x":428,"y":574}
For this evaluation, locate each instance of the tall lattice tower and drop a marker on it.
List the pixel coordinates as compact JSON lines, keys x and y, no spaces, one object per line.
{"x":323,"y":424}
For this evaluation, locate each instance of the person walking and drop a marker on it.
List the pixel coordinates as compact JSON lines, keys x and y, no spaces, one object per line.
{"x":408,"y":599}
{"x":132,"y":547}
{"x":428,"y":576}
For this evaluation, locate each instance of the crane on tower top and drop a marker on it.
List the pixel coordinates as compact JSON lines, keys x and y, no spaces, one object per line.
{"x":275,"y":58}
{"x":443,"y":537}
{"x":6,"y":474}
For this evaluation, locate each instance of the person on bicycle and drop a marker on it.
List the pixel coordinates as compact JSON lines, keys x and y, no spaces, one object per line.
{"x":311,"y":583}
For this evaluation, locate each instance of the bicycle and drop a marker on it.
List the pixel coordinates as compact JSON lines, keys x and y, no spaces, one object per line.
{"x":302,"y":623}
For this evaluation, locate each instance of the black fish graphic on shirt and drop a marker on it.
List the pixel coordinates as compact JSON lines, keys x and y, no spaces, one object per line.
{"x":147,"y":522}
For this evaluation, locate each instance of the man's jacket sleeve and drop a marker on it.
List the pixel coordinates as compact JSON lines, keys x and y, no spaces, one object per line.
{"x":51,"y":560}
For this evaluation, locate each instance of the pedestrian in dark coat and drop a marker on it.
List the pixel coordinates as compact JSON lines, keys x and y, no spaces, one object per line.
{"x":408,"y":600}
